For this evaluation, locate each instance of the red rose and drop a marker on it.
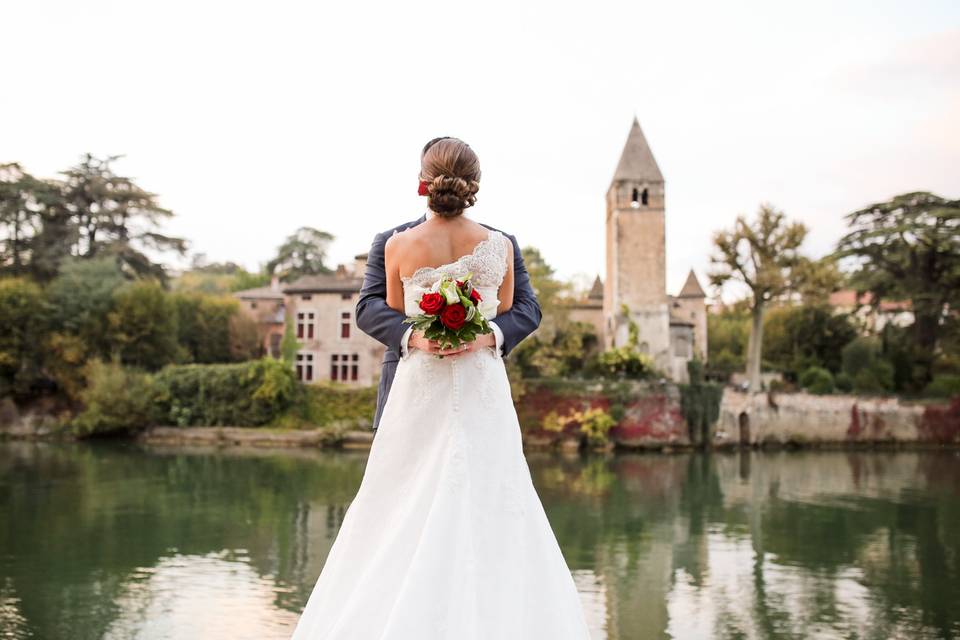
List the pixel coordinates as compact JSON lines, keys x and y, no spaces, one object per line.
{"x":423,"y":189}
{"x":453,"y":316}
{"x":475,"y":296}
{"x":431,"y":303}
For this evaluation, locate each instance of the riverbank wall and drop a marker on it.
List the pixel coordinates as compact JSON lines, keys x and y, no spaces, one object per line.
{"x":802,"y":419}
{"x":648,"y":416}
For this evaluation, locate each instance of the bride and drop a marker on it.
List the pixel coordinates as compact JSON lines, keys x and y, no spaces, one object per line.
{"x":446,"y":538}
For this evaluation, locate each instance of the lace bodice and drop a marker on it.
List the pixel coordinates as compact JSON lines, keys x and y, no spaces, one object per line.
{"x":487,"y":263}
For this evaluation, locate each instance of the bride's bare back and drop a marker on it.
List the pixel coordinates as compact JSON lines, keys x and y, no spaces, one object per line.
{"x":435,"y":242}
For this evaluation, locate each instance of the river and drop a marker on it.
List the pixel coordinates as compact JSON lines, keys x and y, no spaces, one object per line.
{"x":121,"y":541}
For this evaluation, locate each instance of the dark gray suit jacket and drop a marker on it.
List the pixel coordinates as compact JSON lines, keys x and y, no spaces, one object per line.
{"x":385,"y":324}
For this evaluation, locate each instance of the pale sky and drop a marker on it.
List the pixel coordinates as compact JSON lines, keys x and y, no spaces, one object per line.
{"x":252,"y":119}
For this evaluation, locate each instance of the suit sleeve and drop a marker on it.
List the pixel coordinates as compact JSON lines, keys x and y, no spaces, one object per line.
{"x":374,"y":316}
{"x":524,"y":316}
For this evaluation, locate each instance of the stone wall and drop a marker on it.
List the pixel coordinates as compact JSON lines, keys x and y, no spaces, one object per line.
{"x":800,"y":418}
{"x":649,"y":414}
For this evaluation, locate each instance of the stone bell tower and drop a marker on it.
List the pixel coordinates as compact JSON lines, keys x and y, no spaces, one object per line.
{"x":636,"y":252}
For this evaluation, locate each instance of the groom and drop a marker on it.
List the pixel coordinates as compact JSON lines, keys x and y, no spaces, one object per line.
{"x":382,"y":322}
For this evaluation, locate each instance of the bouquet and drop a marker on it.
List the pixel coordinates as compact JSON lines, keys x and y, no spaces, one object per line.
{"x":451,"y":313}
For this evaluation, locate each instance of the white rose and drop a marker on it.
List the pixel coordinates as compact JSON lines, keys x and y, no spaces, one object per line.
{"x":449,"y":291}
{"x":488,"y":308}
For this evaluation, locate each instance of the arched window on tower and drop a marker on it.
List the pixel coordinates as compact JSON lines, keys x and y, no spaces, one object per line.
{"x":635,"y":198}
{"x":644,"y":198}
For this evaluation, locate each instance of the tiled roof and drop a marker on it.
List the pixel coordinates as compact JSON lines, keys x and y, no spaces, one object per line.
{"x":691,"y":288}
{"x":259,"y":293}
{"x":325,"y":283}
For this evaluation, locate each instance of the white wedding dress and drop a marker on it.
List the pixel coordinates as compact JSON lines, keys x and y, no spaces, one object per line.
{"x":446,"y":538}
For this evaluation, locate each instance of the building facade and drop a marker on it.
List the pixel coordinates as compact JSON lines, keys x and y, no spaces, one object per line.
{"x":321,"y":309}
{"x":670,"y":329}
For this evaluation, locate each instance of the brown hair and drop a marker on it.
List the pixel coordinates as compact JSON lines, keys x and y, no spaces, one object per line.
{"x":451,"y":170}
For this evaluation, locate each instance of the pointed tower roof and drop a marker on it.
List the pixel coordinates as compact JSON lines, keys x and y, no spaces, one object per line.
{"x":636,"y":161}
{"x":596,"y":291}
{"x":691,"y":288}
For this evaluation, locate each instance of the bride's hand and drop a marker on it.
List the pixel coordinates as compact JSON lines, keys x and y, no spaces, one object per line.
{"x":418,"y":341}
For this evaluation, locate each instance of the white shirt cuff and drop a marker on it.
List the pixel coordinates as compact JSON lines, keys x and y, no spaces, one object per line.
{"x":404,"y":349}
{"x":498,"y":335}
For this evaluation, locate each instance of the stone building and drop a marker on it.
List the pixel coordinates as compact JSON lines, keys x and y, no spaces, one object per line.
{"x":321,"y":309}
{"x":671,"y":329}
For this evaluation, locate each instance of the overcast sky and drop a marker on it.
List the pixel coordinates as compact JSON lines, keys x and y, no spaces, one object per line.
{"x":253,"y":119}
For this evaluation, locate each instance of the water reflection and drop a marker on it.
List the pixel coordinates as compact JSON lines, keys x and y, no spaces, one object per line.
{"x":117,"y":541}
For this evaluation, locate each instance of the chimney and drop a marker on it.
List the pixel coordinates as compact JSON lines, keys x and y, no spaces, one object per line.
{"x":341,"y":271}
{"x":359,"y":265}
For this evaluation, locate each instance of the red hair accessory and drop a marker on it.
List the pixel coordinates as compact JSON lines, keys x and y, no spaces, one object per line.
{"x":423,"y":191}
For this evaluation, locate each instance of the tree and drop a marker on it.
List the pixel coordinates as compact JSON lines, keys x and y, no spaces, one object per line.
{"x":21,"y":313}
{"x":143,"y":326}
{"x":303,"y":253}
{"x":908,"y":248}
{"x":728,"y":333}
{"x":80,"y":299}
{"x":799,"y":337}
{"x":114,"y":216}
{"x":763,"y":256}
{"x":34,"y":232}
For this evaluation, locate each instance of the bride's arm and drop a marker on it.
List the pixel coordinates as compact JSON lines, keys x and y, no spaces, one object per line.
{"x":392,"y":268}
{"x":505,"y":294}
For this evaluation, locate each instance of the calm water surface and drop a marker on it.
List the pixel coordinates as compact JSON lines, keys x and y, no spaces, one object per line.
{"x":122,"y":542}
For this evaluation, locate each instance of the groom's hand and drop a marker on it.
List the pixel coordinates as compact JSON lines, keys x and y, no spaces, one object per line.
{"x":418,"y":341}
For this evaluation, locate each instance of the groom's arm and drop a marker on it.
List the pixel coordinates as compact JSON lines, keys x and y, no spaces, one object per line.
{"x":374,"y":316}
{"x":523,"y":317}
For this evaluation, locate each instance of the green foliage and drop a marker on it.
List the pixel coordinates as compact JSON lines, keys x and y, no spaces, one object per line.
{"x":593,"y":423}
{"x":248,"y":394}
{"x":566,"y":352}
{"x":115,"y":399}
{"x":728,"y":333}
{"x":876,"y":378}
{"x":908,"y":248}
{"x":817,"y":380}
{"x":289,"y":343}
{"x":204,"y":326}
{"x":143,"y":326}
{"x":859,"y":354}
{"x":700,"y":404}
{"x":21,"y":316}
{"x":326,"y":405}
{"x":625,"y":362}
{"x":303,"y":253}
{"x":549,"y":289}
{"x":943,"y":386}
{"x":764,"y":256}
{"x":843,"y":382}
{"x":797,"y":338}
{"x":864,"y":364}
{"x":82,"y":296}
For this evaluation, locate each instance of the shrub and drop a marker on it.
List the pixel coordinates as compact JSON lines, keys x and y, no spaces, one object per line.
{"x":943,"y":386}
{"x":843,"y":382}
{"x":876,"y":378}
{"x":21,"y":305}
{"x":322,"y":405}
{"x":868,"y":371}
{"x":859,"y":354}
{"x":143,"y":326}
{"x":115,"y":399}
{"x":625,"y":361}
{"x":246,"y":394}
{"x":817,"y":380}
